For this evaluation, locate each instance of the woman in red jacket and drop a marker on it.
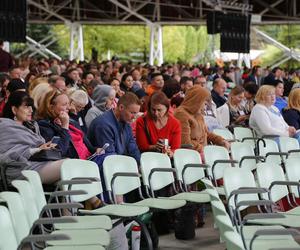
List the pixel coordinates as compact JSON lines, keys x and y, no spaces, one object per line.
{"x":157,"y":130}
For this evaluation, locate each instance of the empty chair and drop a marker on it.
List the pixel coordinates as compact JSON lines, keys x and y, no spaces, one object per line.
{"x":25,"y":196}
{"x":225,"y":133}
{"x":269,"y":149}
{"x":272,"y":177}
{"x":289,"y":145}
{"x":87,"y":222}
{"x":218,"y":159}
{"x":293,"y":174}
{"x":245,"y":135}
{"x":189,"y":167}
{"x":244,"y":154}
{"x":121,"y":177}
{"x":157,"y":173}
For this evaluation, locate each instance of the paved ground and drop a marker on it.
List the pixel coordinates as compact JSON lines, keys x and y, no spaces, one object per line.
{"x":206,"y":238}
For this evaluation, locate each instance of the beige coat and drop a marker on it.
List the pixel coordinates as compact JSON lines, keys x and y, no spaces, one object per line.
{"x":193,"y":128}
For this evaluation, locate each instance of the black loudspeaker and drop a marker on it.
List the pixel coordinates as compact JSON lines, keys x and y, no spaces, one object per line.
{"x":214,"y":22}
{"x":235,"y":33}
{"x":13,"y":19}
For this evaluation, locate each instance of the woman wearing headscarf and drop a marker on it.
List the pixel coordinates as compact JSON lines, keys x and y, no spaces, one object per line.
{"x":103,"y":96}
{"x":193,"y":128}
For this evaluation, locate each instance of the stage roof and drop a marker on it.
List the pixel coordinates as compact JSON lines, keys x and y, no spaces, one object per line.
{"x":166,"y":12}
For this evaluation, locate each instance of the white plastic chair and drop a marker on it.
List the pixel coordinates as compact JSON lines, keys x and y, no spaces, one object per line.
{"x":157,"y":173}
{"x":26,"y":197}
{"x":273,"y":178}
{"x":269,"y":149}
{"x":84,"y":222}
{"x":244,"y":154}
{"x":189,"y":167}
{"x":245,"y":135}
{"x":289,"y":145}
{"x":218,"y":159}
{"x":121,"y":177}
{"x":225,"y":133}
{"x":293,"y":173}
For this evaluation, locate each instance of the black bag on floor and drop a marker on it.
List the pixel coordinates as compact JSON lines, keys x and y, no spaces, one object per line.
{"x":184,"y":223}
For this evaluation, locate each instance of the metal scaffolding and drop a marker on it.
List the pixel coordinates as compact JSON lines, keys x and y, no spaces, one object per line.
{"x":153,"y":13}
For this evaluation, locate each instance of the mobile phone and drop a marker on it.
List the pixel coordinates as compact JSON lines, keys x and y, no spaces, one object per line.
{"x":55,"y":139}
{"x":105,"y":146}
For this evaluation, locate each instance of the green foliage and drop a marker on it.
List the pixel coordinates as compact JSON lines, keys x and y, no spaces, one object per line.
{"x":174,"y":43}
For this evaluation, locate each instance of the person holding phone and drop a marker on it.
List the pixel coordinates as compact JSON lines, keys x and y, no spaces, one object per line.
{"x":157,"y":127}
{"x":54,"y":121}
{"x":21,"y":139}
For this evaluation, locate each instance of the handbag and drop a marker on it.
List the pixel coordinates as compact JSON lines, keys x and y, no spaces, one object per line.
{"x":47,"y":155}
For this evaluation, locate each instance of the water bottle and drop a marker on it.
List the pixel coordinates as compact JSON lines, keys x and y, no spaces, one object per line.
{"x":135,"y":237}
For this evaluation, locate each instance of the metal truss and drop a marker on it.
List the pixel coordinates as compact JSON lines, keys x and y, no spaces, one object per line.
{"x":289,"y":53}
{"x":36,"y":47}
{"x":153,"y":13}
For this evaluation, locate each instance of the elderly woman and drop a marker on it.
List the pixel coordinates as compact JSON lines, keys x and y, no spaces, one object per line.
{"x":265,"y":118}
{"x":54,"y":121}
{"x":158,"y":130}
{"x":21,"y":140}
{"x":189,"y":114}
{"x":78,"y":101}
{"x":292,"y":113}
{"x":104,"y":97}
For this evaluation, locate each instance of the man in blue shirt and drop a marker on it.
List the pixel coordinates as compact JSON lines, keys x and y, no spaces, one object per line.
{"x":113,"y":127}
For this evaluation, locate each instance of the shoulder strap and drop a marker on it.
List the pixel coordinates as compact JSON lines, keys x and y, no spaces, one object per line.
{"x":147,"y":130}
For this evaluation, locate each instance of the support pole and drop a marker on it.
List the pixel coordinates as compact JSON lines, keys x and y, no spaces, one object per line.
{"x":156,"y":44}
{"x":76,"y":41}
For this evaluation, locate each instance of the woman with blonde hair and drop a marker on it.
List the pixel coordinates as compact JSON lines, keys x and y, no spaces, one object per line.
{"x":265,"y":118}
{"x":54,"y":121}
{"x":233,"y":112}
{"x":35,"y":82}
{"x":292,"y":113}
{"x":39,"y":92}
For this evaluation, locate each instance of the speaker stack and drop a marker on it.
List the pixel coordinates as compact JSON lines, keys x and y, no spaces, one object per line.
{"x":234,"y":29}
{"x":13,"y":18}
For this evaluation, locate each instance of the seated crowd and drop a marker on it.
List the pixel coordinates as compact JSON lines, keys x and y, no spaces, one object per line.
{"x":77,"y":108}
{"x":136,"y":108}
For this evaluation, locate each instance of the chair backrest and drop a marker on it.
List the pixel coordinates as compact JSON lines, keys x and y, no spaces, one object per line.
{"x":119,"y":163}
{"x":241,"y":149}
{"x":75,"y":168}
{"x":8,"y":239}
{"x":287,"y":143}
{"x":225,"y":133}
{"x":159,"y":180}
{"x":186,"y":156}
{"x":213,"y":153}
{"x":270,"y":147}
{"x":235,"y":178}
{"x":240,"y":133}
{"x":27,"y":196}
{"x":35,"y":181}
{"x":266,"y":174}
{"x":17,"y":214}
{"x":233,"y":241}
{"x":293,"y":173}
